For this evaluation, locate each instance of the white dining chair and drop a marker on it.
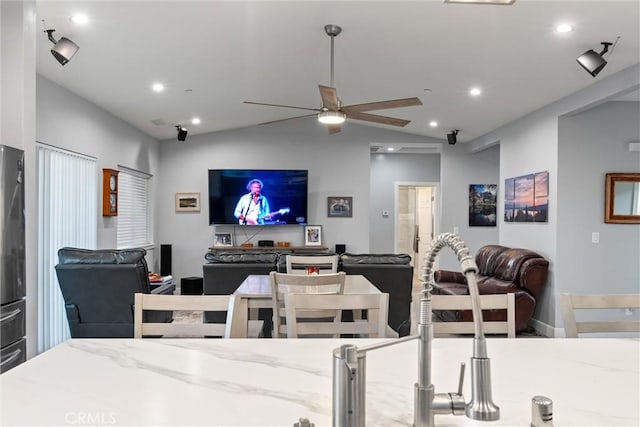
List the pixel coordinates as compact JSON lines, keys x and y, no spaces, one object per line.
{"x":569,"y":303}
{"x":463,"y":302}
{"x":326,"y":264}
{"x":282,"y":283}
{"x":375,"y":326}
{"x":229,"y":303}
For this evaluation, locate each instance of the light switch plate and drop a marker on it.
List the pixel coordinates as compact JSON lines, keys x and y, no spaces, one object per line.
{"x":595,"y":237}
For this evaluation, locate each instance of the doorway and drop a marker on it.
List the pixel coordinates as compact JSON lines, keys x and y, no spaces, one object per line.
{"x":416,"y":222}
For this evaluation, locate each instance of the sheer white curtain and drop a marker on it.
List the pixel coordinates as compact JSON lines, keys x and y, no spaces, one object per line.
{"x":67,"y":216}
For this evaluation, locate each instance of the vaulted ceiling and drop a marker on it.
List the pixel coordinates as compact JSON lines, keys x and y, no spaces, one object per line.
{"x":213,"y":55}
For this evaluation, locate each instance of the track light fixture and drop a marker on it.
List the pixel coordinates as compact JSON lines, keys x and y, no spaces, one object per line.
{"x":63,"y":49}
{"x":452,"y":136}
{"x":594,"y":62}
{"x":182,"y":132}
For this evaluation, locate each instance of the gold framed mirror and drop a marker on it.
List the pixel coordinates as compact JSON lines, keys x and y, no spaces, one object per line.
{"x":622,"y":198}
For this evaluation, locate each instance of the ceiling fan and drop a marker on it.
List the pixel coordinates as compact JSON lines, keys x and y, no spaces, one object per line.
{"x":333,"y":113}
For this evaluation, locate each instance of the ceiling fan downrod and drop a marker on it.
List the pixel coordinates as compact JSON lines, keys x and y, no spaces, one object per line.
{"x":332,"y":31}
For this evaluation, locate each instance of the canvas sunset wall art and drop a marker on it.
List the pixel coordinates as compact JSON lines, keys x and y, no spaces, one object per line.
{"x":526,"y":198}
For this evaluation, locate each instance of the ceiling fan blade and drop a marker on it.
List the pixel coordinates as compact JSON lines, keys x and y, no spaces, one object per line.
{"x":329,"y":97}
{"x":335,"y":128}
{"x":280,"y":105}
{"x":382,"y":105}
{"x":385,"y":120}
{"x":284,"y":120}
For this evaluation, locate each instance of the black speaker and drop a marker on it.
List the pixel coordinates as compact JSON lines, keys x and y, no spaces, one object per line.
{"x":165,"y":260}
{"x":268,"y":243}
{"x":191,"y":286}
{"x":182,"y":133}
{"x":340,"y":249}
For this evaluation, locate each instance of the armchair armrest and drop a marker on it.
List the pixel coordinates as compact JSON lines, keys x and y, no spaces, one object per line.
{"x":169,"y":288}
{"x":449,"y":277}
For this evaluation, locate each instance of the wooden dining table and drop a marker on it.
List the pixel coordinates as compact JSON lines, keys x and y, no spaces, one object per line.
{"x":255,"y":292}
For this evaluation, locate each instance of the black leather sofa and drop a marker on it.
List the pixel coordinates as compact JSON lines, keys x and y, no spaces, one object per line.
{"x":392,"y":274}
{"x":223,"y":272}
{"x":98,"y":288}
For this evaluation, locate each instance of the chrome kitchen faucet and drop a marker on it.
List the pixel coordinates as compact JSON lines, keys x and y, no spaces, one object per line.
{"x":349,"y":361}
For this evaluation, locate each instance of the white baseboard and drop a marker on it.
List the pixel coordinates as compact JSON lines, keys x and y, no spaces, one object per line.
{"x":547,"y":330}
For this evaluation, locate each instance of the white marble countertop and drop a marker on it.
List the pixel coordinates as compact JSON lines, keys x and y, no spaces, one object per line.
{"x":238,"y":382}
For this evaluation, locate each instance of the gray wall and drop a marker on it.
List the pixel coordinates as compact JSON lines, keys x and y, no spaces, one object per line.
{"x":18,"y":128}
{"x":531,"y":144}
{"x":460,"y":168}
{"x":338,"y":166}
{"x":386,"y":171}
{"x":590,"y":144}
{"x":68,"y":121}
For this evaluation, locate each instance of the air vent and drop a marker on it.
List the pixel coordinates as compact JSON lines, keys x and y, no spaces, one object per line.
{"x":159,"y":122}
{"x":418,"y":150}
{"x":375,"y":148}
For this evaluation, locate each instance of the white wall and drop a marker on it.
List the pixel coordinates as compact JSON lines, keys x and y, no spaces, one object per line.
{"x":386,"y":171}
{"x":338,"y":166}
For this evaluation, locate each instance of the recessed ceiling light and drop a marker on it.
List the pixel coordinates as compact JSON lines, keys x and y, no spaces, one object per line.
{"x":433,"y":123}
{"x":157,"y":87}
{"x":475,"y":91}
{"x":390,"y":148}
{"x":195,"y":121}
{"x":80,"y":19}
{"x":564,"y":28}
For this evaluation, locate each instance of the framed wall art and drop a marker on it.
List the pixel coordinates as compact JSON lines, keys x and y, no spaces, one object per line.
{"x":483,"y":205}
{"x":526,"y":198}
{"x":187,"y":202}
{"x":339,"y":207}
{"x":223,"y":239}
{"x":313,"y":235}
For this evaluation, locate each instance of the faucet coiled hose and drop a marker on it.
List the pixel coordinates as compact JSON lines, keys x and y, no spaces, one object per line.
{"x":469,"y":269}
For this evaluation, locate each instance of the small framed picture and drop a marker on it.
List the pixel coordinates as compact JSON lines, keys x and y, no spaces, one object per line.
{"x":187,"y":202}
{"x":313,"y":235}
{"x":224,"y":239}
{"x":339,"y":207}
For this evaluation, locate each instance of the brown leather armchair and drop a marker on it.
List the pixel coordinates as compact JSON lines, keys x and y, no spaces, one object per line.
{"x":501,"y":270}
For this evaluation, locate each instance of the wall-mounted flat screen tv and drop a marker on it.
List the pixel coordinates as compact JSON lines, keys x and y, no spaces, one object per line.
{"x":257,"y":196}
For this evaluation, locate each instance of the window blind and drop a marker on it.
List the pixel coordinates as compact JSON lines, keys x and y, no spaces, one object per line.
{"x":134,"y":223}
{"x":67,"y":211}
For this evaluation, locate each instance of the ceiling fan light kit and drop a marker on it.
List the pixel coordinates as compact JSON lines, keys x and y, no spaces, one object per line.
{"x":332,"y":117}
{"x":333,"y":114}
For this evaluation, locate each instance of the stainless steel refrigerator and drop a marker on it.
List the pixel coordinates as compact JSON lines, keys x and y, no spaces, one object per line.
{"x":12,"y":259}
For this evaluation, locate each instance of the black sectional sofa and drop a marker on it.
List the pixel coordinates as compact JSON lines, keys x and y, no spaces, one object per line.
{"x":223,"y":272}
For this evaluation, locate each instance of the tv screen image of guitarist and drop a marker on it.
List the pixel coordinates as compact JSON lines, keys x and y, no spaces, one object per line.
{"x":253,"y":207}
